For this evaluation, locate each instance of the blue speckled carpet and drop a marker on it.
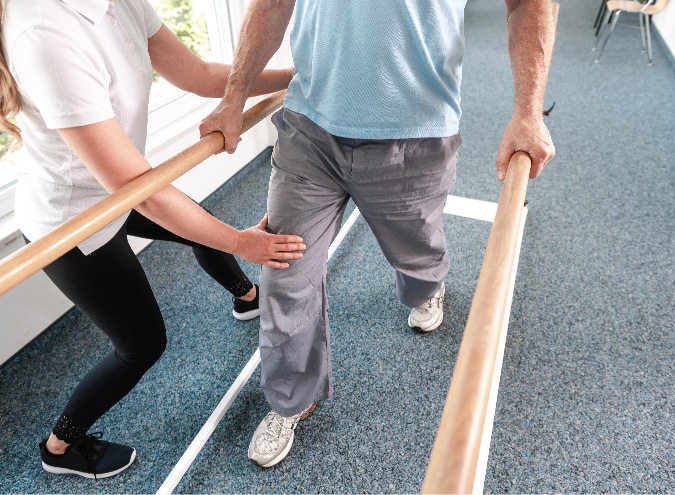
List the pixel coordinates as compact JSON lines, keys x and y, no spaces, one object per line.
{"x":587,"y":398}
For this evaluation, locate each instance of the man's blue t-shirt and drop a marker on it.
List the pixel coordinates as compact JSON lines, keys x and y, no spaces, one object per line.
{"x":378,"y":69}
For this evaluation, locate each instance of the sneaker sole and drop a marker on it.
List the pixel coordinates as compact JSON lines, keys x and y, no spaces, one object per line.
{"x":281,"y":456}
{"x":420,"y":329}
{"x":58,"y":470}
{"x":285,"y":452}
{"x":249,"y":315}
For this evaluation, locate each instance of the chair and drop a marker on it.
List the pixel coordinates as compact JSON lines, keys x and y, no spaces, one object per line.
{"x":644,"y":9}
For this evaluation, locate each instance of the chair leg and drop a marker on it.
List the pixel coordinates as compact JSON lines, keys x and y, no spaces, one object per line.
{"x":602,"y":30}
{"x":603,"y":9}
{"x":601,"y":14}
{"x":648,"y":21}
{"x":611,"y":30}
{"x":642,"y":31}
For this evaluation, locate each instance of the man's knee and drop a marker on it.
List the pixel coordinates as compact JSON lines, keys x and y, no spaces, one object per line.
{"x":282,"y":291}
{"x":289,"y":303}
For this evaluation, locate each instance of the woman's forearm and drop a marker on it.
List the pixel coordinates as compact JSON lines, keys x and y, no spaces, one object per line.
{"x":177,"y":213}
{"x":212,"y":84}
{"x":115,"y":161}
{"x":172,"y":60}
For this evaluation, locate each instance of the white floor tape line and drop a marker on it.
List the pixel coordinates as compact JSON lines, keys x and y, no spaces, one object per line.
{"x":471,"y":208}
{"x":209,"y":427}
{"x":218,"y":413}
{"x":343,"y":232}
{"x":455,"y":205}
{"x":483,"y":454}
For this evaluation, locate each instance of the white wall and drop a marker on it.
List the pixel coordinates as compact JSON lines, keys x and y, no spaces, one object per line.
{"x":665,"y":23}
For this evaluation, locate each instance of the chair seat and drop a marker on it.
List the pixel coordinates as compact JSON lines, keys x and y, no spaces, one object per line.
{"x":629,"y":6}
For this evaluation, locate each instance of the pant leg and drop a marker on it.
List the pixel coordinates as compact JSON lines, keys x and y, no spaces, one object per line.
{"x":221,"y":266}
{"x":110,"y":287}
{"x":401,"y":187}
{"x":305,"y":198}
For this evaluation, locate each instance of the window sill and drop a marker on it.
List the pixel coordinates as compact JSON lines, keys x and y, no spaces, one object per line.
{"x":175,"y":120}
{"x":9,"y":231}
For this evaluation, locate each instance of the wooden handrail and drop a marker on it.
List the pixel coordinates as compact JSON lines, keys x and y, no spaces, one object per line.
{"x":23,"y":263}
{"x":452,"y":466}
{"x":454,"y":457}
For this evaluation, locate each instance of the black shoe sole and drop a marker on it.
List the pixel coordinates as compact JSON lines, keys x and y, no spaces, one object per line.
{"x":59,"y":470}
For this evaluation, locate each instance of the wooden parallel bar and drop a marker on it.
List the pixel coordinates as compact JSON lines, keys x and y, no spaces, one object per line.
{"x":452,"y":466}
{"x":23,"y":263}
{"x":454,"y":458}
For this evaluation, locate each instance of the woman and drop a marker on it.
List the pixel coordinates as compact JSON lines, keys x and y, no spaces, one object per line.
{"x":79,"y":72}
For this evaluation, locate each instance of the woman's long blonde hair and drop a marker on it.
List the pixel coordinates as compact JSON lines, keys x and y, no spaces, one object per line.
{"x":10,"y":103}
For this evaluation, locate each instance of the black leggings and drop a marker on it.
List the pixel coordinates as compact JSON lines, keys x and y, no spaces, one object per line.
{"x":110,"y":287}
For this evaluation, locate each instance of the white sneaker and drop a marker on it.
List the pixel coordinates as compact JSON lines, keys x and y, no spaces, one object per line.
{"x":429,"y":315}
{"x":273,"y":438}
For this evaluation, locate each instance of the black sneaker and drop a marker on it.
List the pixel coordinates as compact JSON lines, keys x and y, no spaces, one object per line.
{"x":90,"y":457}
{"x":246,"y":310}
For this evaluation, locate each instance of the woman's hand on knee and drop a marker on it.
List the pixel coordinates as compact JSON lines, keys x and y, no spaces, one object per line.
{"x":263,"y":248}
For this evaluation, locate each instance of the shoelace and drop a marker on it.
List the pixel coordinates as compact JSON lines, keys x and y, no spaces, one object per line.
{"x":272,"y":432}
{"x":274,"y":429}
{"x":88,"y":444}
{"x":434,"y":301}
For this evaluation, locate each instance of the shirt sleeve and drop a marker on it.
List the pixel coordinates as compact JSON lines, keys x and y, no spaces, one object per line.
{"x":152,"y":19}
{"x":69,"y":86}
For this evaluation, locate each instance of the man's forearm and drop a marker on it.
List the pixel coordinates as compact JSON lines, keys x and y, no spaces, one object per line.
{"x":260,"y":36}
{"x":530,"y":37}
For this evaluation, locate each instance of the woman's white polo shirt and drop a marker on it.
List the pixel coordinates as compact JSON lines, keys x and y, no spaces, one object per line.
{"x":76,"y":62}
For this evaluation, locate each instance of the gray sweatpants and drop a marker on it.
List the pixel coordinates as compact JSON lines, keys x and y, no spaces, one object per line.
{"x":400,"y":187}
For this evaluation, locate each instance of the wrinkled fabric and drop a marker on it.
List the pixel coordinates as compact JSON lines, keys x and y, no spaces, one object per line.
{"x":399,"y":185}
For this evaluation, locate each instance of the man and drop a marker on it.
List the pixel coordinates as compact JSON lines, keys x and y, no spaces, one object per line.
{"x":372,"y":113}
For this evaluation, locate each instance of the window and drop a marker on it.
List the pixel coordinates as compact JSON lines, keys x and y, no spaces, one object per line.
{"x":8,"y":170}
{"x":196,"y":23}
